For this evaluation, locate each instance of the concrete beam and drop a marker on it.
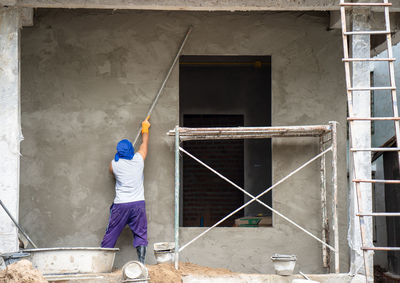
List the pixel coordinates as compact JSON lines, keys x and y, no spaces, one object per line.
{"x":9,"y":2}
{"x":361,"y":138}
{"x":10,"y":124}
{"x":186,"y":5}
{"x":376,"y":21}
{"x":191,"y":5}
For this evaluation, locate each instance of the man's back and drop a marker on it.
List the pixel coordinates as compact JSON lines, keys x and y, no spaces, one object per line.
{"x":129,"y":179}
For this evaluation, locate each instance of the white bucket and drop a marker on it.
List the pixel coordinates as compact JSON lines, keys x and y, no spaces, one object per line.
{"x":135,"y":271}
{"x":164,"y":252}
{"x":284,"y":264}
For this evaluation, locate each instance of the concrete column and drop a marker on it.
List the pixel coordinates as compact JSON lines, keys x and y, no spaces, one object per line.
{"x":10,"y":124}
{"x":361,"y":138}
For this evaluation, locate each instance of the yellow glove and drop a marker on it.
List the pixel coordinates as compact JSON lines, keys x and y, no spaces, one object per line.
{"x":146,"y":125}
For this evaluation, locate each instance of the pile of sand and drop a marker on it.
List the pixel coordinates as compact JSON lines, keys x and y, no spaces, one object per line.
{"x":21,"y":272}
{"x":166,"y":273}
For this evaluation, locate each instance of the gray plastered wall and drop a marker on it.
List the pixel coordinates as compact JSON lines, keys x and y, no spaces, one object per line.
{"x":88,"y":78}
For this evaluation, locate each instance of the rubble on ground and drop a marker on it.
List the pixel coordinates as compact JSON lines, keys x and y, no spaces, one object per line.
{"x":21,"y":272}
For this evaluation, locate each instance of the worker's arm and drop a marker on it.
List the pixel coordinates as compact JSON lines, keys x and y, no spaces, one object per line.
{"x":145,"y":138}
{"x":110,"y":168}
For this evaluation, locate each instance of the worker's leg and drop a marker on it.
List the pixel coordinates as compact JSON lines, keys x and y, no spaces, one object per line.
{"x":138,"y":225}
{"x":119,"y":216}
{"x":141,"y":253}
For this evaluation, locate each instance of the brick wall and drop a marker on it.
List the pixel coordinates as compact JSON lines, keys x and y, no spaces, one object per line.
{"x":206,"y":197}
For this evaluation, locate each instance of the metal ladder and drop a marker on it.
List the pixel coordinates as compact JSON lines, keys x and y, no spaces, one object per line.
{"x":361,"y":214}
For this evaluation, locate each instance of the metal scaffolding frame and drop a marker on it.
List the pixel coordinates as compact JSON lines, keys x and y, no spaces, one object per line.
{"x":326,"y":134}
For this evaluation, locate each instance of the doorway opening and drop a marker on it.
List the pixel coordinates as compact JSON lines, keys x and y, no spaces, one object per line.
{"x":225,"y":91}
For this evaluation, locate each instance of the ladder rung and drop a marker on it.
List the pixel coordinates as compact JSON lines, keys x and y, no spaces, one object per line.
{"x":373,"y":119}
{"x":365,"y":4}
{"x":382,"y":248}
{"x":368,"y":59}
{"x":379,"y":214}
{"x":372,"y":88}
{"x":376,"y":181}
{"x":366,"y":32}
{"x":376,"y":149}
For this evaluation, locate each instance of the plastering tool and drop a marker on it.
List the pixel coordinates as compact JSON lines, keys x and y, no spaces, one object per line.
{"x":165,"y":80}
{"x":16,"y":224}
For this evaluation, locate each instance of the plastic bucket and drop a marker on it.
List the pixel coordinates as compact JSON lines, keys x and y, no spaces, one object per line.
{"x":135,"y":271}
{"x":284,"y":264}
{"x":164,"y":252}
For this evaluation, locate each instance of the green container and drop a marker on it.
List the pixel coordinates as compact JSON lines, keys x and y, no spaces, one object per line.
{"x":251,"y":222}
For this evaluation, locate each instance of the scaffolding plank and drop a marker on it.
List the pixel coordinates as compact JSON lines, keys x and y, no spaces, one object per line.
{"x":250,"y":132}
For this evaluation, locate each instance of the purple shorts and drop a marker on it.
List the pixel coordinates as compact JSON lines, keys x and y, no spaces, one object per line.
{"x":121,"y":214}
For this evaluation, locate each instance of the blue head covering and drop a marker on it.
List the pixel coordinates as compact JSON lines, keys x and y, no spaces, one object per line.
{"x":125,"y":150}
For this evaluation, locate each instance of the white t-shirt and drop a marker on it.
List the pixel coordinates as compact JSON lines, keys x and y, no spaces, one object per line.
{"x":129,"y":179}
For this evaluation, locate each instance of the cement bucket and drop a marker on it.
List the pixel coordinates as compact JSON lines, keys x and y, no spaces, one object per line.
{"x":284,"y":264}
{"x":164,"y":252}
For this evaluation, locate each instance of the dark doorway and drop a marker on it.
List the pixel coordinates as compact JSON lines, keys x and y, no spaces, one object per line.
{"x":224,"y":91}
{"x":206,"y":197}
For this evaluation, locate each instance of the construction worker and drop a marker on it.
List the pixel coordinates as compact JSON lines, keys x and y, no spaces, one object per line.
{"x":128,"y":207}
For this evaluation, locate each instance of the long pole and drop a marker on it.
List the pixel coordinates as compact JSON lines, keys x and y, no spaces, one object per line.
{"x":177,"y":187}
{"x":325,"y":223}
{"x":165,"y":80}
{"x":16,"y":224}
{"x":335,"y":195}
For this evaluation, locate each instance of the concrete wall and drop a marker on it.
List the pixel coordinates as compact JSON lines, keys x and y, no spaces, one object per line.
{"x":10,"y":126}
{"x":88,"y":78}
